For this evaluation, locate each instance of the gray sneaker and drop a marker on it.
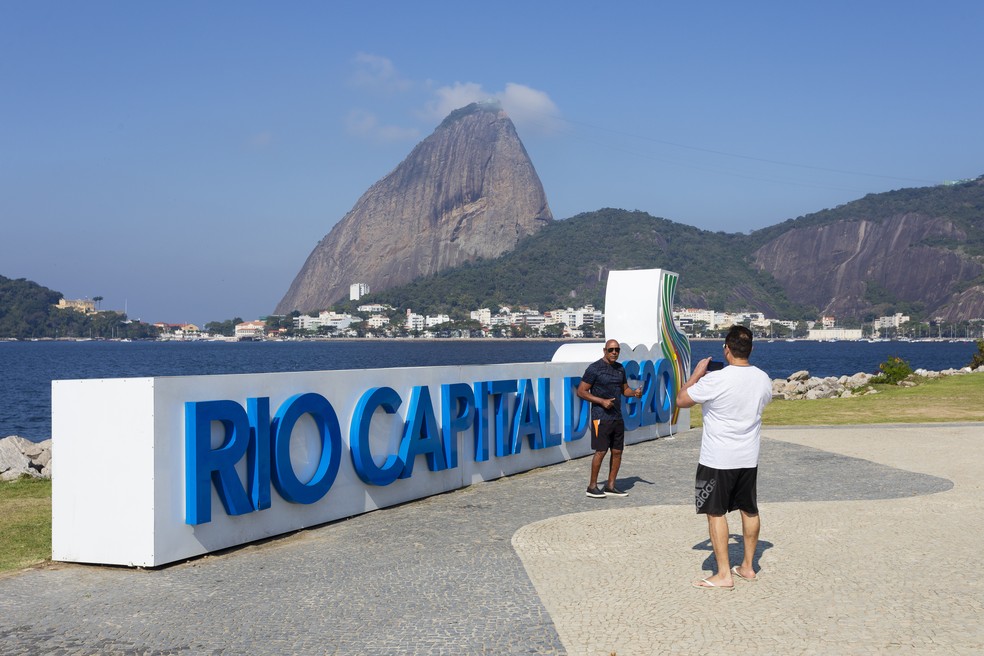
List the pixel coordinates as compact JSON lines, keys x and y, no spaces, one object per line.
{"x":612,"y":491}
{"x":595,"y":493}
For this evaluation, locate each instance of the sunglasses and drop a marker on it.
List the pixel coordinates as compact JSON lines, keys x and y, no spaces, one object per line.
{"x":613,"y":350}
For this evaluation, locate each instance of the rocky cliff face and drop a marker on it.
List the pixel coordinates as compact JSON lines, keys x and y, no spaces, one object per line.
{"x":467,"y":191}
{"x":841,"y":266}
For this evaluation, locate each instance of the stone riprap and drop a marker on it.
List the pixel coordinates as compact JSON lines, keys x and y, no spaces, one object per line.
{"x":22,"y":457}
{"x":801,"y":385}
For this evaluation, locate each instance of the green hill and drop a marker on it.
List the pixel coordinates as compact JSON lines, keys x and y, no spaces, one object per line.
{"x":567,"y":262}
{"x":833,"y":261}
{"x":28,"y":311}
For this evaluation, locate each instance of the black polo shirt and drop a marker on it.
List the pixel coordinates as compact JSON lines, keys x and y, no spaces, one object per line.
{"x":607,"y":382}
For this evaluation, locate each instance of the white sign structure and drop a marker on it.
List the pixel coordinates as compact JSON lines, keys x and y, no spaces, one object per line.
{"x":149,"y":471}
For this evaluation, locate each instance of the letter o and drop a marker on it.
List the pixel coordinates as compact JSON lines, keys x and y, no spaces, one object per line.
{"x":663,"y":398}
{"x":284,"y":478}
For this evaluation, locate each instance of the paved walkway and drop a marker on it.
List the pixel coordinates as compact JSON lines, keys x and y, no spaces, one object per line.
{"x":868,"y":546}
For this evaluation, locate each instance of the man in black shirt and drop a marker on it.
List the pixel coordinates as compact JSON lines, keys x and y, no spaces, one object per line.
{"x":602,"y":383}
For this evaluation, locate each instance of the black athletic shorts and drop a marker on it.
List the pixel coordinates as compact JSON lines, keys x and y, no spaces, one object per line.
{"x":719,"y":491}
{"x":607,"y":434}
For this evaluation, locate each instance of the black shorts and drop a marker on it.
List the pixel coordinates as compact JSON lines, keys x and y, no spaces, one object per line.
{"x":720,"y":491}
{"x":607,"y":434}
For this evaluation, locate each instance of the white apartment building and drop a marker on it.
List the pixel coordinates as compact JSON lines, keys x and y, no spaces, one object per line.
{"x":415,"y":321}
{"x":829,"y":334}
{"x":430,"y":322}
{"x":891,"y":322}
{"x":326,"y":318}
{"x":377,"y":321}
{"x":526,"y":317}
{"x":304,"y":322}
{"x":583,"y":316}
{"x":358,"y":290}
{"x":374,"y":308}
{"x":482,"y":316}
{"x":690,"y":315}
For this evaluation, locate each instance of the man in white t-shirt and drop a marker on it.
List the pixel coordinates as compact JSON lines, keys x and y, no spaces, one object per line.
{"x":732,"y":400}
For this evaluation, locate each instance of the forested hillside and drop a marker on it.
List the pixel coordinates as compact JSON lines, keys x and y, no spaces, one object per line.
{"x":567,"y":262}
{"x":916,"y":251}
{"x":963,"y":204}
{"x":27,"y":311}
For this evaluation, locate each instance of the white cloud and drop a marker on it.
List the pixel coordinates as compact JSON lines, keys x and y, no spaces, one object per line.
{"x":451,"y":98}
{"x":378,"y":73}
{"x":366,"y":124}
{"x":530,"y":109}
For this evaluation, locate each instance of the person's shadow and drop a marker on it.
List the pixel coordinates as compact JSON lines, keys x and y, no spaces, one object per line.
{"x":630,"y":482}
{"x":736,"y":552}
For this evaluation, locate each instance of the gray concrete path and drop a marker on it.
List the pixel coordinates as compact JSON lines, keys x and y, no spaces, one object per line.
{"x":866,"y":547}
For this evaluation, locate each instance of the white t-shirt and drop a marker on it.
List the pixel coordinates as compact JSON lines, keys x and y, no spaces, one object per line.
{"x":732,"y":401}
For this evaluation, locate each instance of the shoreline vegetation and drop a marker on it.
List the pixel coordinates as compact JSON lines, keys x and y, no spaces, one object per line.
{"x":25,"y":503}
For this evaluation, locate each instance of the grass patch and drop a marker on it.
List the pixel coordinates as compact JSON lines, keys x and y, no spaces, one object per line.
{"x":934,"y":400}
{"x":25,"y":522}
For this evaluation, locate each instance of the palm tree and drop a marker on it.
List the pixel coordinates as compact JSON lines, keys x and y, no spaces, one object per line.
{"x":97,"y":300}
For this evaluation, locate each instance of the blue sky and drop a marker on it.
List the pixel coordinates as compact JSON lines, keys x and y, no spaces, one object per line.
{"x":182,"y":159}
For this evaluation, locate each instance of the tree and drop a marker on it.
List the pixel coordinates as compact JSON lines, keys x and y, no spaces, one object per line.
{"x":225,"y":328}
{"x":977,"y":359}
{"x":97,"y":300}
{"x":553,"y":331}
{"x":779,"y":330}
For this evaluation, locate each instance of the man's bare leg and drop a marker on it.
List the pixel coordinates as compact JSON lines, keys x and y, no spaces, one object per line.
{"x":717,"y":528}
{"x":613,"y":464}
{"x":595,"y":468}
{"x":750,"y":526}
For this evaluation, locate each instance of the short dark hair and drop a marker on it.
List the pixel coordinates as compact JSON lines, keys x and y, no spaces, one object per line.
{"x":739,"y":341}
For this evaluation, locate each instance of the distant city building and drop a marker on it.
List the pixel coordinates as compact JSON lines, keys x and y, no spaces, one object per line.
{"x":758,"y":320}
{"x":482,"y":316}
{"x":250,"y":330}
{"x":827,"y":334}
{"x":828,"y":322}
{"x":178,"y":330}
{"x":894,"y":321}
{"x":691,"y":315}
{"x":325,"y":319}
{"x":374,"y":308}
{"x":85,"y":306}
{"x":338,"y":321}
{"x":358,"y":290}
{"x":415,"y":322}
{"x":437,"y":320}
{"x":304,"y":322}
{"x":586,"y":315}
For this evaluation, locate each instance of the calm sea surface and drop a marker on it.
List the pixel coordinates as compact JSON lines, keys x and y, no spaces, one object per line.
{"x":27,"y":368}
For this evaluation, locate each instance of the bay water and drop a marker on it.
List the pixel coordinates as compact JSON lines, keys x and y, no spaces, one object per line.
{"x":27,"y":368}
